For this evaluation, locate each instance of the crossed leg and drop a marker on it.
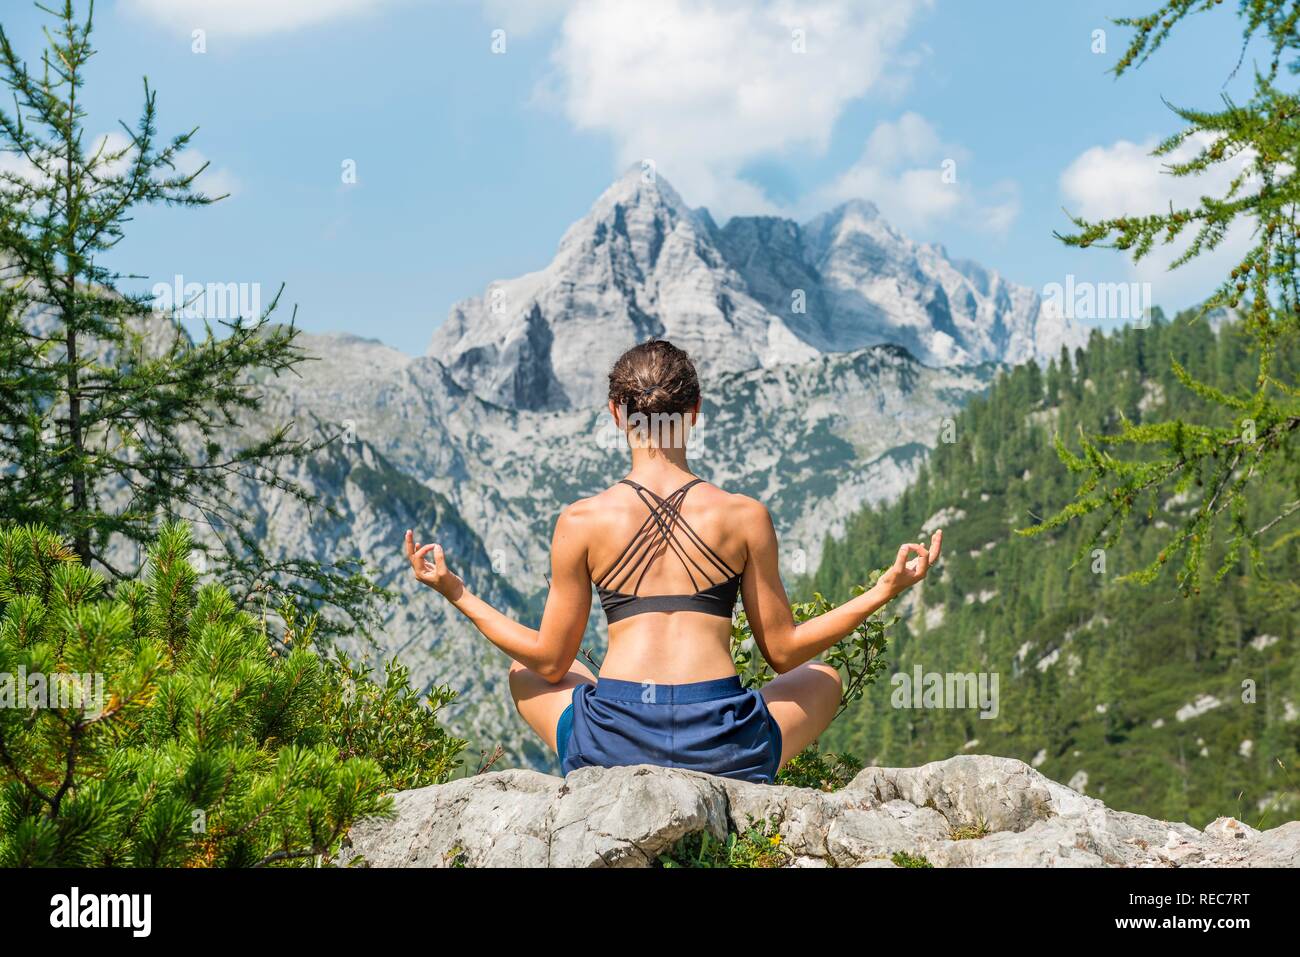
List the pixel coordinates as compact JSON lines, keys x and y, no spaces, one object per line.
{"x":540,"y":702}
{"x":803,"y":701}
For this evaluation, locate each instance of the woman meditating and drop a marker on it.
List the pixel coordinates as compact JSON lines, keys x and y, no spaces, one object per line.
{"x":668,"y":553}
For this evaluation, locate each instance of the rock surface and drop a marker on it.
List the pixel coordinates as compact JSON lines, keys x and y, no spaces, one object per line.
{"x":967,"y":811}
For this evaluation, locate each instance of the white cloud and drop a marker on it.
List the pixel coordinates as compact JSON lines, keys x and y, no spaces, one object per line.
{"x":107,"y":146}
{"x":918,"y":180}
{"x":247,"y":17}
{"x":110,"y":156}
{"x":1124,"y":179}
{"x":705,"y":87}
{"x":213,"y":181}
{"x":523,"y":16}
{"x":12,"y":164}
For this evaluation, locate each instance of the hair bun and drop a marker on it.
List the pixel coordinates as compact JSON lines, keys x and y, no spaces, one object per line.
{"x":654,"y":377}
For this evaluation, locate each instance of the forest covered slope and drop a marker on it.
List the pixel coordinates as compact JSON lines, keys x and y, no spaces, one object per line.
{"x":1180,"y":708}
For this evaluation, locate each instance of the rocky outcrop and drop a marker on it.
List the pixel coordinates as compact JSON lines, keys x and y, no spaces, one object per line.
{"x":967,"y":811}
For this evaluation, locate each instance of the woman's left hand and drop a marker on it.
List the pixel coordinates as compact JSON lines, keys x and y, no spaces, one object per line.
{"x":905,"y":573}
{"x":430,"y":567}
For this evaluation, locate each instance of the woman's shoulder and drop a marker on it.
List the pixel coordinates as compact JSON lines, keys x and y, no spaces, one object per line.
{"x":590,"y":508}
{"x":739,"y":506}
{"x":582,"y":509}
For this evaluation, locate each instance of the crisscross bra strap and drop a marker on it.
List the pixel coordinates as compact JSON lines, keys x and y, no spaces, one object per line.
{"x":658,"y":534}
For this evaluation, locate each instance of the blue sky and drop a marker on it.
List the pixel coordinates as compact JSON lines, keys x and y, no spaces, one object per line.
{"x":470,"y":164}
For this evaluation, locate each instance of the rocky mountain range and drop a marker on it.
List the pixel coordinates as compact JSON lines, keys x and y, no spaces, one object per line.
{"x":755,"y":294}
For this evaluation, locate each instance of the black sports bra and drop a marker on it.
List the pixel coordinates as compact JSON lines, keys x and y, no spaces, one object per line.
{"x":657,"y":535}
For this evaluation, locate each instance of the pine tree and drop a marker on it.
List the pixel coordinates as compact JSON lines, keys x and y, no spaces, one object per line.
{"x":1220,"y":452}
{"x":112,"y":417}
{"x":158,"y":725}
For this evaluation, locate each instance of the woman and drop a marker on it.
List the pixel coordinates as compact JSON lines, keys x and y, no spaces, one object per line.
{"x":668,"y":553}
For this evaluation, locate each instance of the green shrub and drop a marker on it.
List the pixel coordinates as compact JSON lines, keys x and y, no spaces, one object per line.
{"x":904,"y":859}
{"x":811,"y":768}
{"x":389,"y":722}
{"x":858,"y":657}
{"x":970,"y":832}
{"x":163,"y":726}
{"x":759,"y":845}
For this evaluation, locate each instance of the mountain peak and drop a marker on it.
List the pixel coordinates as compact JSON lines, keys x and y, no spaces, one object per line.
{"x":640,"y":202}
{"x":758,"y":293}
{"x":641,"y":184}
{"x":863,"y":208}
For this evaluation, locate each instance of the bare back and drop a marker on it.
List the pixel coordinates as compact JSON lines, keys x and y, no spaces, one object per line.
{"x":647,"y":541}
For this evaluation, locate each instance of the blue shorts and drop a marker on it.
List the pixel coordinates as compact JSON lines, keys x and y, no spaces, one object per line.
{"x":716,"y":727}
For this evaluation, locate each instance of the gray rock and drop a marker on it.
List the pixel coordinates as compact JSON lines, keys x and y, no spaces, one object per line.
{"x":967,"y":811}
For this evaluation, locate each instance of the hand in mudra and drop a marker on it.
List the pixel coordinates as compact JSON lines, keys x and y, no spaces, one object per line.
{"x":905,"y":572}
{"x":430,"y":567}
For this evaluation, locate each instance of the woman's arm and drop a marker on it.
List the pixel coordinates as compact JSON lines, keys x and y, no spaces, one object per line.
{"x":548,"y":650}
{"x":787,"y":645}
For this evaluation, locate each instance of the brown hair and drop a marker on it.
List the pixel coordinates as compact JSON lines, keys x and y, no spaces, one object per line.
{"x":654,"y":377}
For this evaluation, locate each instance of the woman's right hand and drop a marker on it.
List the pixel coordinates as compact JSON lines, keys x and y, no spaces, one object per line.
{"x":905,"y":573}
{"x":431,"y":569}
